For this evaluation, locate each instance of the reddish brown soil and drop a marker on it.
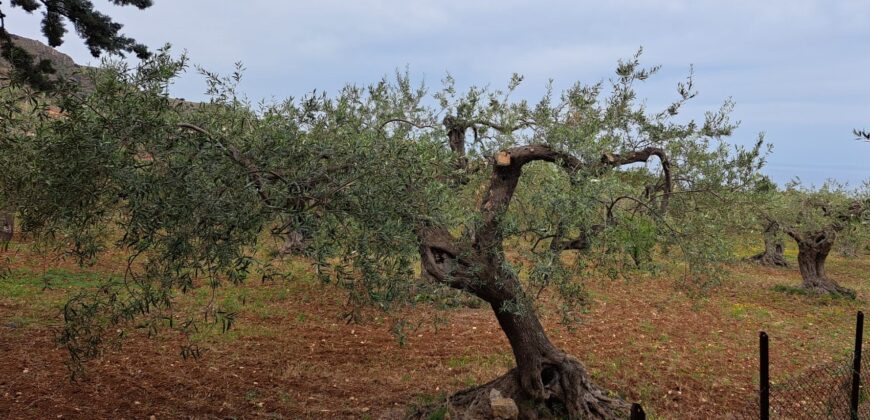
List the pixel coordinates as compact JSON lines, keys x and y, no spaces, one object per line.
{"x":681,"y":357}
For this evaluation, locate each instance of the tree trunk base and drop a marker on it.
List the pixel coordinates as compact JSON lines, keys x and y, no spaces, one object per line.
{"x":7,"y":228}
{"x":772,"y":256}
{"x":570,"y":394}
{"x":294,"y":244}
{"x":769,"y":259}
{"x":828,"y":287}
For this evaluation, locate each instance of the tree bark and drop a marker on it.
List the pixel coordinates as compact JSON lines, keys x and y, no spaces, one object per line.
{"x":294,"y":243}
{"x":772,"y":256}
{"x":812,"y":254}
{"x":546,"y":381}
{"x":813,"y":250}
{"x":456,"y":139}
{"x":7,"y":227}
{"x":814,"y":247}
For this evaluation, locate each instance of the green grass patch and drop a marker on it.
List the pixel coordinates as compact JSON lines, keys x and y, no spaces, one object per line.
{"x":821,"y":298}
{"x":39,"y":295}
{"x":26,"y":283}
{"x":501,"y":360}
{"x":747,"y":311}
{"x":429,"y":406}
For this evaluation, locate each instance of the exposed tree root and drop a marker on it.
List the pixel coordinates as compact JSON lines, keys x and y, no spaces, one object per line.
{"x":824,"y":286}
{"x":770,"y":259}
{"x":568,"y":393}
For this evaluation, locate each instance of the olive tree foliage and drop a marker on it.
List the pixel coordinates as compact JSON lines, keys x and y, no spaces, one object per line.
{"x":190,"y":187}
{"x":100,"y":33}
{"x":817,"y":219}
{"x":854,"y":240}
{"x":676,"y":201}
{"x":380,"y":178}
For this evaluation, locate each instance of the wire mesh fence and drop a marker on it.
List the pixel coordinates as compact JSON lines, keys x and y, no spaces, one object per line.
{"x":821,"y":392}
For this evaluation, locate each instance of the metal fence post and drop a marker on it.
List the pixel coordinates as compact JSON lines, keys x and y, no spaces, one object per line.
{"x":637,"y":412}
{"x":856,"y":366}
{"x":764,"y":377}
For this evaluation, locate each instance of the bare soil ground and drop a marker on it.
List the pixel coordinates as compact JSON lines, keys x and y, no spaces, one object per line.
{"x":290,"y":355}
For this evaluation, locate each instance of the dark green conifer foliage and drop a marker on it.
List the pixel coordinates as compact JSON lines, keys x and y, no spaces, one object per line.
{"x":100,"y":33}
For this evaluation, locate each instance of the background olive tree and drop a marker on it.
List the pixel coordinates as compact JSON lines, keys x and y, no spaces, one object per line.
{"x":816,"y":219}
{"x":379,"y":179}
{"x":773,"y":255}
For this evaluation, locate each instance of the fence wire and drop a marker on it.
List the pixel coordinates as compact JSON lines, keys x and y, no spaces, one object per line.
{"x":822,"y":392}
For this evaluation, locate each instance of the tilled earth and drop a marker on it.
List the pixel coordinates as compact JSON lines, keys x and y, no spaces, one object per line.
{"x":291,"y":354}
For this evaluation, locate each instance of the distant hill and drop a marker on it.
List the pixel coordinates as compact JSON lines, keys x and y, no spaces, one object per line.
{"x":62,"y":63}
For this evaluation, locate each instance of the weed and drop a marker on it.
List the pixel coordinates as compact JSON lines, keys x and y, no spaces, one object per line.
{"x":429,"y":406}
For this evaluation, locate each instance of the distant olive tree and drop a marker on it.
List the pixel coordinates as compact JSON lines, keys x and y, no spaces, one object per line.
{"x":773,"y":255}
{"x":379,"y":178}
{"x":7,"y":228}
{"x":815,"y":219}
{"x":774,"y":247}
{"x":854,"y":240}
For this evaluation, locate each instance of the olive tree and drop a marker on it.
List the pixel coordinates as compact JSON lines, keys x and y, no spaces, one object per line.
{"x":773,"y":255}
{"x":379,"y":178}
{"x":814,"y":219}
{"x":774,"y":248}
{"x":7,"y":227}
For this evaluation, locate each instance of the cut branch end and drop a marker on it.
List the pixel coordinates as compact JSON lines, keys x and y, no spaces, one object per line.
{"x":503,"y":158}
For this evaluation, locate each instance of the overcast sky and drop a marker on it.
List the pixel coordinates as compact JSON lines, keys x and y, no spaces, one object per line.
{"x":799,"y":70}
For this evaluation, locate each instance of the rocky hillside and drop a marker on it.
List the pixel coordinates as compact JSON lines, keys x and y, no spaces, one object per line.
{"x":62,"y":63}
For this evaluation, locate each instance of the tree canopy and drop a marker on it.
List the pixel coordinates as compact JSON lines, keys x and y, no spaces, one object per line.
{"x":379,"y":179}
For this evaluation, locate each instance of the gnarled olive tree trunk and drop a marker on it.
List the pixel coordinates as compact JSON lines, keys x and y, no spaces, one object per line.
{"x":295,"y":243}
{"x":814,"y":247}
{"x":813,"y":250}
{"x":772,"y":256}
{"x":546,"y":380}
{"x":7,"y":227}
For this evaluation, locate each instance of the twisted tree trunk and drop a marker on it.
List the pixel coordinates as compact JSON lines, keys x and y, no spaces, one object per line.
{"x":813,"y":250}
{"x":814,"y":247}
{"x":295,"y":243}
{"x":772,"y":256}
{"x":546,"y":381}
{"x":812,"y":253}
{"x":7,"y":227}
